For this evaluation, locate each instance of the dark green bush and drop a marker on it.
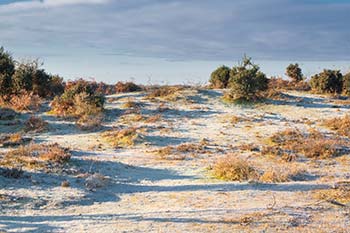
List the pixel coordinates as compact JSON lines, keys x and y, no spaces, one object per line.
{"x":346,"y":84}
{"x":294,"y":72}
{"x":247,"y":81}
{"x":7,"y":68}
{"x":328,"y":81}
{"x":220,"y":77}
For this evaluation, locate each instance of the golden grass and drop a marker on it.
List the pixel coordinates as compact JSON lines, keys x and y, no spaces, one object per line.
{"x":15,"y":139}
{"x":25,"y":101}
{"x":121,"y":137}
{"x":232,"y":168}
{"x":181,"y":151}
{"x":312,"y":144}
{"x":339,"y":124}
{"x":36,"y":156}
{"x":282,"y":173}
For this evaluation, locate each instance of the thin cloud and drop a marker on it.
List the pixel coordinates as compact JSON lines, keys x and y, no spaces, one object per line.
{"x":38,"y":4}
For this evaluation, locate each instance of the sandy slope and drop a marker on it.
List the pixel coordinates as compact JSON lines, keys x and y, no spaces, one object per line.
{"x":146,"y":194}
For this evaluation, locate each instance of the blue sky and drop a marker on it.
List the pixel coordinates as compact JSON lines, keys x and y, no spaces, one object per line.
{"x":175,"y":40}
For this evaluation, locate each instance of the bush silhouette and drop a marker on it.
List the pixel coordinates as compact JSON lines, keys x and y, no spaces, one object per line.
{"x":328,"y":81}
{"x":220,"y":77}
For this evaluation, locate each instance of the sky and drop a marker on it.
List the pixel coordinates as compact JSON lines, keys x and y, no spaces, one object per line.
{"x":175,"y":41}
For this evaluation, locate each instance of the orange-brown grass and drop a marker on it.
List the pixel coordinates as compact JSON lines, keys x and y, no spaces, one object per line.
{"x":339,"y":194}
{"x":35,"y":124}
{"x":282,"y":84}
{"x":312,"y":144}
{"x":282,"y":173}
{"x":233,"y":168}
{"x":153,"y":119}
{"x":130,"y":103}
{"x":25,"y":101}
{"x":13,"y":140}
{"x":180,"y":152}
{"x":339,"y":124}
{"x":170,"y":93}
{"x":121,"y":137}
{"x":36,"y":156}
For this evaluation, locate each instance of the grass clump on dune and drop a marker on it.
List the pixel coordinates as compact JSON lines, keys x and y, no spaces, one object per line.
{"x":121,"y":137}
{"x":232,"y":168}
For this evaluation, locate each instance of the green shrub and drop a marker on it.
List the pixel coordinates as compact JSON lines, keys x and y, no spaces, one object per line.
{"x":328,"y":81}
{"x":7,"y":68}
{"x":294,"y":72}
{"x":346,"y":84}
{"x":247,"y":81}
{"x":220,"y":77}
{"x":80,"y":101}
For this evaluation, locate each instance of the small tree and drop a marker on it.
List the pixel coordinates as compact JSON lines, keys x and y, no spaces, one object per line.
{"x":294,"y":72}
{"x":346,"y":84}
{"x":220,"y":77}
{"x":247,"y":81}
{"x":7,"y":68}
{"x":328,"y":81}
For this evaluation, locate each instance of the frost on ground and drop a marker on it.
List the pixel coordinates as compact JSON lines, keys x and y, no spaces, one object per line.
{"x":162,"y":181}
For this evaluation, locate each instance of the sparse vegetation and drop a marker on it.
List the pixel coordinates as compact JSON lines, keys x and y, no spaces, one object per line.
{"x":181,"y":151}
{"x":340,"y":124}
{"x":121,"y":87}
{"x":36,"y":156}
{"x":314,"y":144}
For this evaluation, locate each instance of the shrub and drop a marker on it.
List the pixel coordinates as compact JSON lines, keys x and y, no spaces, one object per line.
{"x":294,"y":72}
{"x":30,"y":78}
{"x":56,"y":86}
{"x":7,"y":68}
{"x":121,"y":87}
{"x":79,"y":100}
{"x":346,"y":84}
{"x":247,"y":81}
{"x":220,"y":77}
{"x":24,"y":101}
{"x":328,"y":81}
{"x":232,"y":168}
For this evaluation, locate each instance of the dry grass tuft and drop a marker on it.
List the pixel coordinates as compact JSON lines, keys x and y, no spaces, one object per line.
{"x":169,"y":93}
{"x":281,"y":174}
{"x":340,"y":124}
{"x":25,"y":101}
{"x":181,"y":151}
{"x":36,"y":156}
{"x":121,"y":137}
{"x":35,"y":124}
{"x":338,"y":195}
{"x":232,"y":168}
{"x":312,"y":145}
